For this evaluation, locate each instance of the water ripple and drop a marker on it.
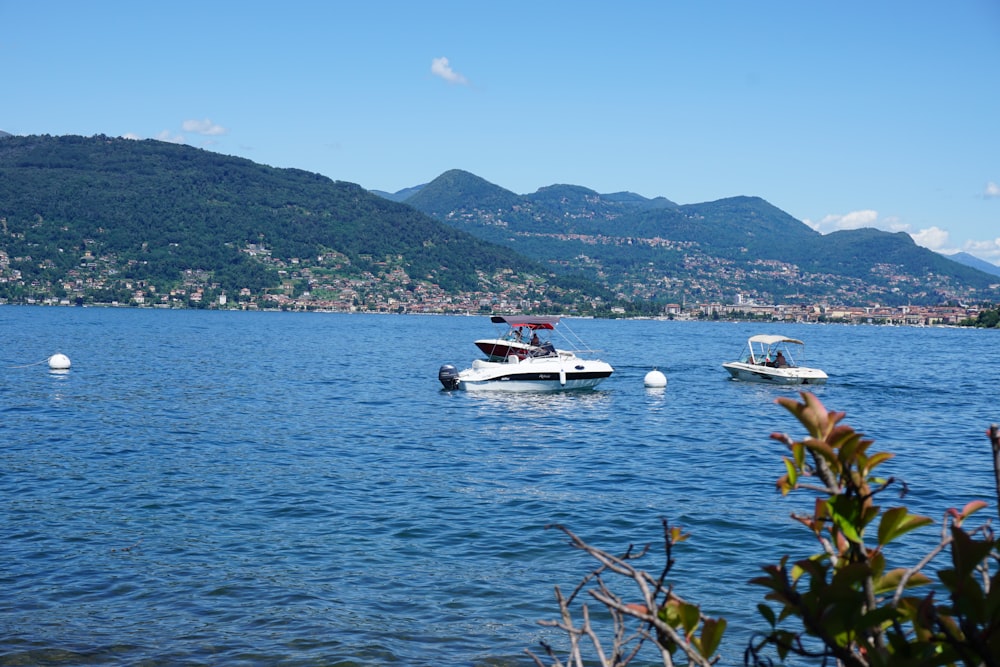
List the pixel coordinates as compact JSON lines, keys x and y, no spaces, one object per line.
{"x":260,"y":488}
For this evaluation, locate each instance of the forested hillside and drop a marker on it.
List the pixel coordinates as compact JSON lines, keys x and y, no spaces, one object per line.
{"x":155,"y":213}
{"x":111,"y":220}
{"x":654,"y":249}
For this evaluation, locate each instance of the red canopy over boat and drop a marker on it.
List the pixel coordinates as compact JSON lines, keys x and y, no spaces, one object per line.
{"x":530,"y":321}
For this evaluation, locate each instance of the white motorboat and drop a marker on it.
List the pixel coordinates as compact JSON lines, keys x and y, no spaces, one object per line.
{"x":515,"y":364}
{"x":769,"y":359}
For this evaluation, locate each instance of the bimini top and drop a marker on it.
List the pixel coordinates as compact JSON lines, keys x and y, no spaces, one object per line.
{"x":530,"y":321}
{"x":770,"y":339}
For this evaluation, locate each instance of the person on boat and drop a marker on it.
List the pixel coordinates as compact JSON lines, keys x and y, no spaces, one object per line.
{"x":780,"y":361}
{"x":534,"y":339}
{"x":518,"y":334}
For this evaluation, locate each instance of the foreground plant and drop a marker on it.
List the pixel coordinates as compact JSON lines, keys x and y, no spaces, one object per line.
{"x":663,"y":621}
{"x":845,"y":604}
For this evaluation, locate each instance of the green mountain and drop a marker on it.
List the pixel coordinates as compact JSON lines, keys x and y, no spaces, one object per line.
{"x":104,"y":220}
{"x":458,"y":190}
{"x":123,"y":215}
{"x":864,"y":253}
{"x":655,"y":249}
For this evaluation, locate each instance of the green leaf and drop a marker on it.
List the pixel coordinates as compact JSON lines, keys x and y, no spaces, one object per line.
{"x":967,"y":553}
{"x":773,"y":582}
{"x":690,"y":615}
{"x":668,"y":614}
{"x":847,"y":442}
{"x":890,"y":581}
{"x":877,"y":563}
{"x":898,"y":521}
{"x":767,"y":613}
{"x":850,"y":575}
{"x":820,"y":448}
{"x":791,"y":476}
{"x":878,"y":617}
{"x":806,"y":416}
{"x":844,"y":512}
{"x":799,"y":452}
{"x":711,"y":636}
{"x":872,"y":462}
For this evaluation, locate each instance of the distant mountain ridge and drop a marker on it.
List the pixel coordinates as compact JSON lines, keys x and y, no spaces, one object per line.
{"x":398,"y":196}
{"x":976,"y":263}
{"x":657,"y":249}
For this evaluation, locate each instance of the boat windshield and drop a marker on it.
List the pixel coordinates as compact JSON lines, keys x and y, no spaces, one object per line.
{"x":774,"y":353}
{"x":778,"y":355}
{"x":525,"y":334}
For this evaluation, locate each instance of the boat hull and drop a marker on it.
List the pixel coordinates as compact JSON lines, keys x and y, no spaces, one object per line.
{"x":544,"y":375}
{"x":768,"y":375}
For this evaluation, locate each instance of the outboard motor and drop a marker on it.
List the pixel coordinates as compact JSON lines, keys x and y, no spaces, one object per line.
{"x":448,"y":375}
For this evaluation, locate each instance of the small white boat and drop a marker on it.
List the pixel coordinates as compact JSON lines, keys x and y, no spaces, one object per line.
{"x":512,"y":364}
{"x":769,"y":359}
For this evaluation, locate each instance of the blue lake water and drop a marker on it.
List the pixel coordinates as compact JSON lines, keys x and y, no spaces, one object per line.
{"x":224,"y":488}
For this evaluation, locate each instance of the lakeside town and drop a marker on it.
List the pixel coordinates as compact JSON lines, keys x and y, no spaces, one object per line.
{"x":329,"y":283}
{"x":398,"y":295}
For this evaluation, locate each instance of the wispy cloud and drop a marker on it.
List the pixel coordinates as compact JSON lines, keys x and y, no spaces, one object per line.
{"x":205,"y":127}
{"x":988,"y":250}
{"x":932,"y":238}
{"x":442,"y":68}
{"x":166,"y":135}
{"x":837,"y":222}
{"x":992,"y":190}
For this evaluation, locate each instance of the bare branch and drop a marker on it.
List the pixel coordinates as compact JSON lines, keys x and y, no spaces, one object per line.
{"x":828,"y":547}
{"x":994,"y":434}
{"x":655,"y":593}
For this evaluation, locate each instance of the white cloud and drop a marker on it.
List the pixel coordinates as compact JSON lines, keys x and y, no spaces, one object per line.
{"x":131,"y":135}
{"x":988,"y":250}
{"x":441,"y":67}
{"x":206,"y":127}
{"x":174,"y":139}
{"x":992,"y":190}
{"x":932,"y":238}
{"x":853,"y":220}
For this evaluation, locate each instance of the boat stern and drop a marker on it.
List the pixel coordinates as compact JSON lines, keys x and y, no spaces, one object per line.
{"x":448,"y":377}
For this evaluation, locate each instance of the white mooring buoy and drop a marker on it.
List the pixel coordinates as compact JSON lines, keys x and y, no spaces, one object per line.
{"x":655,"y":378}
{"x":59,"y":362}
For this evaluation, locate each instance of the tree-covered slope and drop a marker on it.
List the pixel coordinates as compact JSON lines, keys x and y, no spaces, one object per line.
{"x":862,"y":252}
{"x":163,"y":208}
{"x":655,"y":249}
{"x":459,"y":190}
{"x":728,"y":227}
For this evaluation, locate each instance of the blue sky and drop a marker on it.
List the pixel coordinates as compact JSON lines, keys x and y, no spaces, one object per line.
{"x":844,"y":114}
